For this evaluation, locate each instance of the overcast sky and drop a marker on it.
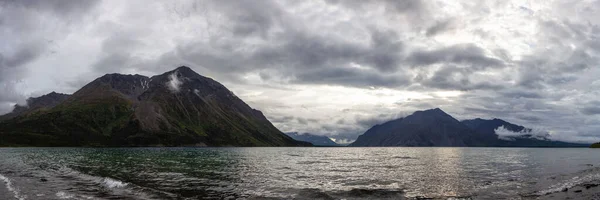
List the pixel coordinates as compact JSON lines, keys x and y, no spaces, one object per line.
{"x":328,"y":67}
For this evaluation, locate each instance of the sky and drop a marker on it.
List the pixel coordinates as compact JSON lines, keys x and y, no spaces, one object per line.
{"x":327,"y":67}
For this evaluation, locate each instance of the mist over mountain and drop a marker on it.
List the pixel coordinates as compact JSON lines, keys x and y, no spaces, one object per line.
{"x":317,"y":140}
{"x":177,"y":108}
{"x":436,"y":128}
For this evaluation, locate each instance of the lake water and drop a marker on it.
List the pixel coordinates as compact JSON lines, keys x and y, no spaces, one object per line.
{"x":292,"y":173}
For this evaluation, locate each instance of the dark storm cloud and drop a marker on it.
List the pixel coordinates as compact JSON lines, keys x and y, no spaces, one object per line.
{"x":465,"y":54}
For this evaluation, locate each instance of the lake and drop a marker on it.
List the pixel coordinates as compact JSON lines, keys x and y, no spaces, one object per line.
{"x":292,"y":173}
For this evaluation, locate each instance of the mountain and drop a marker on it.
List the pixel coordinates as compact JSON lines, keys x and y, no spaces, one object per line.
{"x":489,"y":127}
{"x":519,"y":136}
{"x":423,"y":128}
{"x":436,"y":128}
{"x":44,"y":102}
{"x":316,"y":140}
{"x":177,"y":108}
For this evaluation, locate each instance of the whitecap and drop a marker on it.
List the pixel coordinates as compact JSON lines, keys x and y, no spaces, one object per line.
{"x":112,"y":183}
{"x":11,"y":188}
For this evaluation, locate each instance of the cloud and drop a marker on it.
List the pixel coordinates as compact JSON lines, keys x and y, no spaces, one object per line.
{"x":174,"y":83}
{"x":465,"y":54}
{"x":505,"y":134}
{"x":342,"y":141}
{"x":592,"y":108}
{"x":333,"y":67}
{"x":439,"y":27}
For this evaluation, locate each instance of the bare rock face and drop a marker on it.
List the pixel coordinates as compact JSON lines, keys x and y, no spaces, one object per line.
{"x":177,"y":108}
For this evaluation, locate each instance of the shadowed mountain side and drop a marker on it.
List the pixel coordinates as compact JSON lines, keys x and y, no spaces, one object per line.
{"x":436,"y":128}
{"x":177,"y":108}
{"x":423,"y":128}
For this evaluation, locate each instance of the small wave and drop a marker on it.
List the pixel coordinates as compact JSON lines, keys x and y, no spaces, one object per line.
{"x":568,"y":184}
{"x":64,"y":195}
{"x":11,"y":188}
{"x":403,"y":157}
{"x":311,"y":162}
{"x":112,"y":183}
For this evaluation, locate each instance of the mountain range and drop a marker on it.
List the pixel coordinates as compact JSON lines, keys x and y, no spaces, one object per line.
{"x":176,"y":108}
{"x":317,"y":140}
{"x":183,"y":108}
{"x":437,"y":128}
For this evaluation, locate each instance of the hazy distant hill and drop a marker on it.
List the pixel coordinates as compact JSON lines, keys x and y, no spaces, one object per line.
{"x":36,"y":104}
{"x":436,"y":128}
{"x":179,"y":107}
{"x":317,"y":140}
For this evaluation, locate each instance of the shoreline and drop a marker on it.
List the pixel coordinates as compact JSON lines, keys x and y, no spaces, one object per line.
{"x":586,"y":190}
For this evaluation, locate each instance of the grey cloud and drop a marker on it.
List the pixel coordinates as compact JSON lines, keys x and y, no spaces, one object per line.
{"x":415,"y":10}
{"x":59,"y":7}
{"x":520,"y":93}
{"x":282,"y":119}
{"x":455,"y":78}
{"x":439,"y":27}
{"x":25,"y":54}
{"x":12,"y":70}
{"x":591,"y":108}
{"x":530,"y":118}
{"x":117,"y":53}
{"x":26,"y":41}
{"x":370,"y":121}
{"x":466,"y":54}
{"x":350,"y":77}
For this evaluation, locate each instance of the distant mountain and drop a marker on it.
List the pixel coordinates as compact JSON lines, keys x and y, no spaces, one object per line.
{"x":489,"y":127}
{"x":522,"y":137}
{"x":177,"y":108}
{"x":316,"y":140}
{"x":436,"y":128}
{"x":423,"y":128}
{"x":41,"y":103}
